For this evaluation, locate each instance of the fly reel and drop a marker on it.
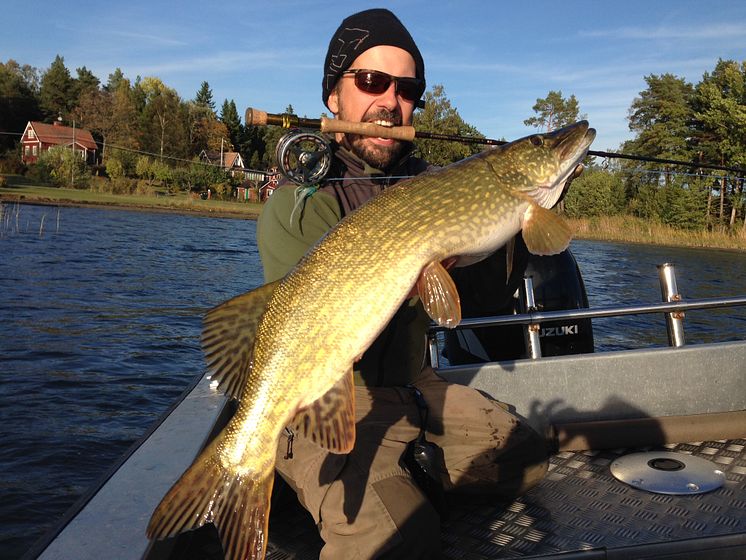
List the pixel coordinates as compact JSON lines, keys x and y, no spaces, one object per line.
{"x":303,"y":157}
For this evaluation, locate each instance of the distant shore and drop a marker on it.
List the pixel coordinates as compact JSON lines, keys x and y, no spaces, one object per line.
{"x":624,"y":229}
{"x":16,"y":192}
{"x":248,"y":214}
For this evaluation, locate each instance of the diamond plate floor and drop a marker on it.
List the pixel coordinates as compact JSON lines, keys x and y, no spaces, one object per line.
{"x":578,"y":506}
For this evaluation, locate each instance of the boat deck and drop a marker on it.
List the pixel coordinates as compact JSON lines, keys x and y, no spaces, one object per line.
{"x":578,"y":508}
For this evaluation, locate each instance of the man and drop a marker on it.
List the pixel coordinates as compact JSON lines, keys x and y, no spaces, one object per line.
{"x":367,"y":503}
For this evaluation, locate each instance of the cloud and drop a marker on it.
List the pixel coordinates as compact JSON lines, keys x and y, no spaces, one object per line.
{"x":718,"y":31}
{"x":146,"y":38}
{"x":239,"y":62}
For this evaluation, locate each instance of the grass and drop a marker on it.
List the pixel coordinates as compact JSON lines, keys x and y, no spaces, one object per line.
{"x":20,"y":189}
{"x":635,"y":230}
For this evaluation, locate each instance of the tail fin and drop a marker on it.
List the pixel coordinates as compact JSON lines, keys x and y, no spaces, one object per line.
{"x":207,"y":492}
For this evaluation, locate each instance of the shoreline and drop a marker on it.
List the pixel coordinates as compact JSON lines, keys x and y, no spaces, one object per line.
{"x":582,"y":227}
{"x":132,"y":207}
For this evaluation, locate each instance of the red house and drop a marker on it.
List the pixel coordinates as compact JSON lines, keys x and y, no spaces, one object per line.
{"x":39,"y":137}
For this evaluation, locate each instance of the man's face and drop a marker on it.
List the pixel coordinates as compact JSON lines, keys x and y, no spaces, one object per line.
{"x":348,"y":103}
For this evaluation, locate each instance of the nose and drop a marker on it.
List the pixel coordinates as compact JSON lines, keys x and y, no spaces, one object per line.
{"x":389,"y":99}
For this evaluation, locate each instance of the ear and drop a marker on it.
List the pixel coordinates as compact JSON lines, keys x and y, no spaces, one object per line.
{"x":333,"y":101}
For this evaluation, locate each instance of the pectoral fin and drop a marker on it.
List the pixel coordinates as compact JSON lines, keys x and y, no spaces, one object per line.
{"x":228,"y":337}
{"x":439,"y":295}
{"x":544,"y":232}
{"x":330,"y":421}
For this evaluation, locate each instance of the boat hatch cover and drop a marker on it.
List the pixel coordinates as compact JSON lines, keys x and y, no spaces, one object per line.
{"x":668,"y":473}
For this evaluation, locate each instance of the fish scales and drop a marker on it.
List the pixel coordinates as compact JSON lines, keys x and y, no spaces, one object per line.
{"x":315,"y":322}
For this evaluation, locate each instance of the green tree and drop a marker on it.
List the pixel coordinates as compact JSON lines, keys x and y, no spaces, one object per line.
{"x":95,"y":112}
{"x":19,"y":102}
{"x":66,"y":169}
{"x":229,"y":117}
{"x":661,"y":117}
{"x":196,"y":118}
{"x":680,"y":206}
{"x":163,"y":119}
{"x":56,"y":93}
{"x":251,"y":145}
{"x":199,"y":176}
{"x":595,"y":193}
{"x":115,"y":78}
{"x":204,"y":97}
{"x":720,"y":128}
{"x":84,"y":83}
{"x":123,"y":130}
{"x":439,"y":116}
{"x":554,"y":111}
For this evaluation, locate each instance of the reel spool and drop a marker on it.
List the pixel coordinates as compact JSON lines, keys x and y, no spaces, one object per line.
{"x":303,"y":157}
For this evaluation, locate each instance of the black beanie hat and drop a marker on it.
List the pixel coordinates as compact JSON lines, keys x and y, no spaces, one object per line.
{"x":357,"y":34}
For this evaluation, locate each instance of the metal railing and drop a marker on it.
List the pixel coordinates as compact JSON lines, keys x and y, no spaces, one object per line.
{"x":673,"y":306}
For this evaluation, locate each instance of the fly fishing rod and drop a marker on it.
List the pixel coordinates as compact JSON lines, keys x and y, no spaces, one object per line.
{"x":303,"y":156}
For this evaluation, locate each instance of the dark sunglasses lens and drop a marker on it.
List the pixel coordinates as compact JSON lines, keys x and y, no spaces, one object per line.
{"x":409,"y":90}
{"x":378,"y":82}
{"x":372,"y":82}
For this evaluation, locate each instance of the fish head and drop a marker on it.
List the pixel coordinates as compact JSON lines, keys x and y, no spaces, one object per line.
{"x":540,"y":164}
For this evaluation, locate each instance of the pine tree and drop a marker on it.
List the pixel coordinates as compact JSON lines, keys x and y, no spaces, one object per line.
{"x":204,"y":97}
{"x":441,"y":117}
{"x":661,"y":116}
{"x":720,"y":123}
{"x":229,"y":117}
{"x":56,"y":93}
{"x":554,"y":111}
{"x":115,"y":78}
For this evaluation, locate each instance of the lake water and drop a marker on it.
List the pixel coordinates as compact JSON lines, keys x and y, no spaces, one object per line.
{"x":101,"y":313}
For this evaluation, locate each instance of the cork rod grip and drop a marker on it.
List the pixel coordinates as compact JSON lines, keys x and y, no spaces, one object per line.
{"x":255,"y":117}
{"x":406,"y":133}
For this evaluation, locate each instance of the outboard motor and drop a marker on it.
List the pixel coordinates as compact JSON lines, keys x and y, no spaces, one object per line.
{"x":558,"y":285}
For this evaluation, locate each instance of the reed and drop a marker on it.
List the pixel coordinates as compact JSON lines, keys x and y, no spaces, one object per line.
{"x":635,"y":230}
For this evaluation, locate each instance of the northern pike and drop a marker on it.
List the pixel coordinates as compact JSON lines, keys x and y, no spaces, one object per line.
{"x":286,"y":349}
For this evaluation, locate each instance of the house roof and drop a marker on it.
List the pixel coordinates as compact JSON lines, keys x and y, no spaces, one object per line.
{"x":62,"y":135}
{"x":230,"y":159}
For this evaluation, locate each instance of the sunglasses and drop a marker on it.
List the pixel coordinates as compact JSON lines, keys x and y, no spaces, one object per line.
{"x":376,"y":83}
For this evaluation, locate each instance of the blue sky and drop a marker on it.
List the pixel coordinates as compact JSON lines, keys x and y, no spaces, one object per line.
{"x":493,"y":58}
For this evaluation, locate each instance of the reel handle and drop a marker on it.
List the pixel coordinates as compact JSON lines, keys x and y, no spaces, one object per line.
{"x":255,"y":117}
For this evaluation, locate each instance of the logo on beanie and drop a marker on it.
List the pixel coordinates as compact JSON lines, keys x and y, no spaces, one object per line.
{"x":349,"y":41}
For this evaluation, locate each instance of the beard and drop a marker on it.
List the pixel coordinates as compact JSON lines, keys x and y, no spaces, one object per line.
{"x":377,"y":156}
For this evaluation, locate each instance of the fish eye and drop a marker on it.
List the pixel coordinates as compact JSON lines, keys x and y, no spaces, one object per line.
{"x":537,"y":140}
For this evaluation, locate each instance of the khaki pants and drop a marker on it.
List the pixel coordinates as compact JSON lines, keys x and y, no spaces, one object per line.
{"x":365,"y":503}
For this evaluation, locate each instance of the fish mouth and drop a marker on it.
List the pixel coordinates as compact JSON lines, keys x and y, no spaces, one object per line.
{"x":573,"y":141}
{"x":570,"y":144}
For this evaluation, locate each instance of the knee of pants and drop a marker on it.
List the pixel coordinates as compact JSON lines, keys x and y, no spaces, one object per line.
{"x":393,"y":520}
